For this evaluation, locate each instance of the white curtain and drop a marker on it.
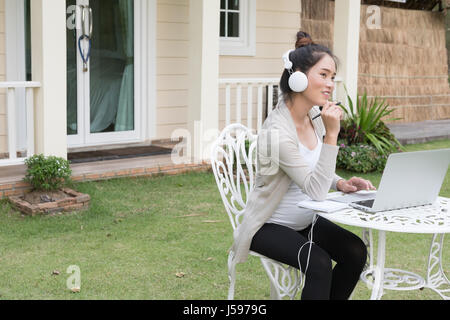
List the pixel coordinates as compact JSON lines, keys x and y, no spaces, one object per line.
{"x":125,"y":112}
{"x":111,"y":70}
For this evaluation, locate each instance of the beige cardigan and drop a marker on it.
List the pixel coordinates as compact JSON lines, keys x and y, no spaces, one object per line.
{"x":286,"y":164}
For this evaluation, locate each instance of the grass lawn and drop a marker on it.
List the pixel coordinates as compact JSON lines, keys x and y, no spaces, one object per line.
{"x":158,"y":238}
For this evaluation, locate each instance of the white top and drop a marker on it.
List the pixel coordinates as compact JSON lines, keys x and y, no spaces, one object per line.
{"x":288,"y":213}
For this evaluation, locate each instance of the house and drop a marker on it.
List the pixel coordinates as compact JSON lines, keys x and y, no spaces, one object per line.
{"x":152,"y":74}
{"x":89,"y":74}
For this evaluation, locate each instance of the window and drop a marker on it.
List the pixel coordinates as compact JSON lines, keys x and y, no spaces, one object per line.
{"x":237,"y":27}
{"x":229,"y":18}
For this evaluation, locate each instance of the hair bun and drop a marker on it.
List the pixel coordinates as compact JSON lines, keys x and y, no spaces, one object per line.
{"x":303,"y":39}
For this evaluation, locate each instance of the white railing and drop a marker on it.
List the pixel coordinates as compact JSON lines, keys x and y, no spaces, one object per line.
{"x":260,"y":84}
{"x":11,"y":88}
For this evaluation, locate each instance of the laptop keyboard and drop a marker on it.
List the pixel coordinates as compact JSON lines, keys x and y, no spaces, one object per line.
{"x":349,"y":198}
{"x":366,"y":203}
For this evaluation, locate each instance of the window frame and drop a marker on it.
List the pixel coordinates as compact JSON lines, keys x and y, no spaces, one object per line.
{"x":245,"y":44}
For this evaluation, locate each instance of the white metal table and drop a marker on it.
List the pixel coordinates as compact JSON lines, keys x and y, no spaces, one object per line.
{"x":432,"y":219}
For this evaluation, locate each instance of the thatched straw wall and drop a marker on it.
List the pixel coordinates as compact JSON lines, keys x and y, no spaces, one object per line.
{"x":318,"y":20}
{"x":404,"y":61}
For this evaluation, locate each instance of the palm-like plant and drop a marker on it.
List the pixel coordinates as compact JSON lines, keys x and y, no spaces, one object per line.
{"x":365,"y":125}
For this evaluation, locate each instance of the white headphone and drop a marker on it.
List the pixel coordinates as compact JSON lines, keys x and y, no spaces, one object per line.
{"x":298,"y":81}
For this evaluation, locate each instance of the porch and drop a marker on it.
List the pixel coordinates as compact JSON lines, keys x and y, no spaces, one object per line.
{"x":11,"y":179}
{"x":235,"y":100}
{"x":246,"y":100}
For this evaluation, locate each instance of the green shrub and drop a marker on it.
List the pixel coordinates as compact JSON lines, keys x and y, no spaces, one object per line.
{"x":365,"y":125}
{"x":361,"y":158}
{"x":47,"y":173}
{"x":365,"y":140}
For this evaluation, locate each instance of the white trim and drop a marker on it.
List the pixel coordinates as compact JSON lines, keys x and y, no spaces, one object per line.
{"x":151,"y":106}
{"x":203,"y":106}
{"x":20,"y":84}
{"x":145,"y":42}
{"x":346,"y":45}
{"x":245,"y":45}
{"x":78,"y":139}
{"x":49,"y":67}
{"x":139,"y":80}
{"x":249,"y":80}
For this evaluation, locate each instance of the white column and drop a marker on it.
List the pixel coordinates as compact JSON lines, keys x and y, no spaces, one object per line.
{"x":48,"y":52}
{"x":203,"y":114}
{"x":346,"y":46}
{"x":15,"y":63}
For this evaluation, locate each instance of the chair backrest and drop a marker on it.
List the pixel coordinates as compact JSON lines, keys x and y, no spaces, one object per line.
{"x":233,"y":160}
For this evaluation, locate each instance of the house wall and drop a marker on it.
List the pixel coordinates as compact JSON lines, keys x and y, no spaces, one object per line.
{"x":3,"y":125}
{"x":404,"y":60}
{"x":277,"y":23}
{"x":419,"y":93}
{"x":172,"y":45}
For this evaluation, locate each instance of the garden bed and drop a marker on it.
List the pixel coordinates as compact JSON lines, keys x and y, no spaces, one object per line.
{"x":47,"y":202}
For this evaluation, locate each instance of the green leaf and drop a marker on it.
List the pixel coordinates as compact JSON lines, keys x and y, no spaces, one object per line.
{"x":49,"y":173}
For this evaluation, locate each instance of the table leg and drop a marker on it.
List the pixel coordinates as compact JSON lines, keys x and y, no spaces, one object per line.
{"x":377,"y":290}
{"x":368,"y":240}
{"x":436,"y":278}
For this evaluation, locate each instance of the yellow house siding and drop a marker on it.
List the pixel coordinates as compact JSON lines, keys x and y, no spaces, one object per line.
{"x":172,"y":42}
{"x":277,"y":23}
{"x":3,"y":123}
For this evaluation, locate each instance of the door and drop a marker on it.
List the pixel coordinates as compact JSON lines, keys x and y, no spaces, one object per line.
{"x":101,"y":91}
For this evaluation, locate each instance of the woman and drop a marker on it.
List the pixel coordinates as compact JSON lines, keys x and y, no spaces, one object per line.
{"x":303,"y":166}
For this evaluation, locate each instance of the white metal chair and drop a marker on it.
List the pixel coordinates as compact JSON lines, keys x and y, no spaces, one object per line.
{"x":234,"y":165}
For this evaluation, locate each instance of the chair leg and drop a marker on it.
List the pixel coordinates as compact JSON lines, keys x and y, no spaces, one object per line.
{"x":274,"y":292}
{"x":231,"y":275}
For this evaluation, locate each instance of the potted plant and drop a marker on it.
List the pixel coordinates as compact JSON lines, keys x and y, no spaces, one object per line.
{"x":49,"y":177}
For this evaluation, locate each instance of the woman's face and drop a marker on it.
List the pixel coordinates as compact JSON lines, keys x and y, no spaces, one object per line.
{"x":321,"y":81}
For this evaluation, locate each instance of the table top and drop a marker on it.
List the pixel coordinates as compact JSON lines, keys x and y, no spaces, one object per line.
{"x":433,"y":218}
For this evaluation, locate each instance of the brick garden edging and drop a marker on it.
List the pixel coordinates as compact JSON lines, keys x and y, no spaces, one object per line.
{"x":19,"y":188}
{"x":75,"y":201}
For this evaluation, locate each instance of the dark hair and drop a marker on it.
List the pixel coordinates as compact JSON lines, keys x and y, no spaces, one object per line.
{"x":303,"y":58}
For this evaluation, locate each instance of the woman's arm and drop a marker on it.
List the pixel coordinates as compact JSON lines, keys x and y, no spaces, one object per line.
{"x":279,"y":151}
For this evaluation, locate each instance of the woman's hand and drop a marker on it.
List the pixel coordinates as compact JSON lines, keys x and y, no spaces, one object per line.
{"x":331,"y":117}
{"x":354,"y":184}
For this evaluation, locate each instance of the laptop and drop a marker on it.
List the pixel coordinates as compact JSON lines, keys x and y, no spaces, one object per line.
{"x":410,"y":179}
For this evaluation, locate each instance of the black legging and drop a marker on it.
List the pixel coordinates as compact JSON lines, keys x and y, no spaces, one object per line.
{"x":330,"y":242}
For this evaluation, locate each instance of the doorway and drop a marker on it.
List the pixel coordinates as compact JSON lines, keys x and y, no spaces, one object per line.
{"x":100,"y":72}
{"x":111,"y":99}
